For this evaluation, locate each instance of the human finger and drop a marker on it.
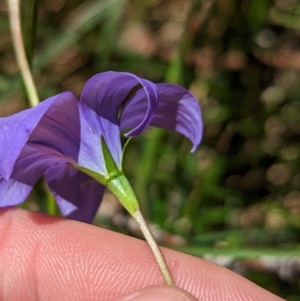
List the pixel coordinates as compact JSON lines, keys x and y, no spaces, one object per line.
{"x":50,"y":258}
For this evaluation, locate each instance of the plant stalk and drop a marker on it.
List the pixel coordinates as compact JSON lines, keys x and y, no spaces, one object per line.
{"x":18,"y":43}
{"x":24,"y":68}
{"x":154,"y":248}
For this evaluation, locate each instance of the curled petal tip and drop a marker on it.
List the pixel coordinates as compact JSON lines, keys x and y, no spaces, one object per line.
{"x":177,"y":110}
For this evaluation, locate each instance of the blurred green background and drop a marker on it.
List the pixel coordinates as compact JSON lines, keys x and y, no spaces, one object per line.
{"x":236,"y":200}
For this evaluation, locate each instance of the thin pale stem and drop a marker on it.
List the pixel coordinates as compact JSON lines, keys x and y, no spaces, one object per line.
{"x":18,"y":43}
{"x":23,"y":64}
{"x":154,"y":247}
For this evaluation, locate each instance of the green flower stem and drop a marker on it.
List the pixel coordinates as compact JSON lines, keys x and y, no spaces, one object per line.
{"x":18,"y":43}
{"x":120,"y":187}
{"x":154,"y":248}
{"x":118,"y":184}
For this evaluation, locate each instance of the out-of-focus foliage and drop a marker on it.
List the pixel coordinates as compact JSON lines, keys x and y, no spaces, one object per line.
{"x":239,"y":193}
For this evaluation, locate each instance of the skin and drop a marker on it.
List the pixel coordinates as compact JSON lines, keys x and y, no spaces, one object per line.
{"x":50,"y":258}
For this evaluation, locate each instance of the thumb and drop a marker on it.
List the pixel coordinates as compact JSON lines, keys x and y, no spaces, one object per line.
{"x":161,"y":293}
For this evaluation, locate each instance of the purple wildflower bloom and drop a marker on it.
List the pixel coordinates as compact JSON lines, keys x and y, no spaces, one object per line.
{"x":47,"y":139}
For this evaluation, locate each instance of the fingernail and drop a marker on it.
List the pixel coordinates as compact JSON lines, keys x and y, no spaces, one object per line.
{"x":161,"y":293}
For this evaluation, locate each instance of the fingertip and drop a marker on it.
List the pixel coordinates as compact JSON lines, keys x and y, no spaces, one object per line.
{"x":162,"y":293}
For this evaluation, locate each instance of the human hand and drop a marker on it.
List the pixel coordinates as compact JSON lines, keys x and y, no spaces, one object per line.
{"x":50,"y":258}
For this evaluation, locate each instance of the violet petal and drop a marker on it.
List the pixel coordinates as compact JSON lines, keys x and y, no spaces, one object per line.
{"x":64,"y":130}
{"x":58,"y":138}
{"x":101,"y":100}
{"x":177,"y":110}
{"x":15,"y":131}
{"x":78,"y":195}
{"x":13,"y":192}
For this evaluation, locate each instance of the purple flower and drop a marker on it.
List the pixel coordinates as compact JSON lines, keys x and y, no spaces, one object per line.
{"x":61,"y":131}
